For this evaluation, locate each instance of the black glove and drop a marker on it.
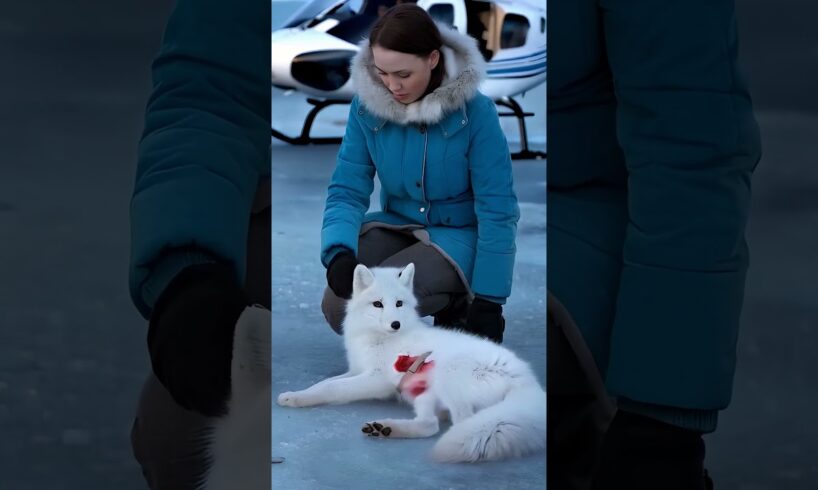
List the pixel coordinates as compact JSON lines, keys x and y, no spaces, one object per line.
{"x":339,"y":273}
{"x":486,"y":318}
{"x":190,"y":338}
{"x":641,"y":453}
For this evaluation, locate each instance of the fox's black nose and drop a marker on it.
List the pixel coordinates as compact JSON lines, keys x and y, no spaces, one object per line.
{"x":395,"y":325}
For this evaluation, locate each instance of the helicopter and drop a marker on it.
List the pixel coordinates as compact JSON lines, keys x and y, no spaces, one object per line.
{"x":311,"y":53}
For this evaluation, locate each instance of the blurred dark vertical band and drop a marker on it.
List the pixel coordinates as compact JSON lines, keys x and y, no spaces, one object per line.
{"x":76,"y":79}
{"x":770,"y":412}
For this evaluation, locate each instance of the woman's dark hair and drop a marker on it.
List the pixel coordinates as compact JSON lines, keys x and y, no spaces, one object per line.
{"x":407,"y":28}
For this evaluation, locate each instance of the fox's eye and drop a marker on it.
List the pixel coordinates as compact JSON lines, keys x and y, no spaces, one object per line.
{"x":399,"y":303}
{"x":377,"y":304}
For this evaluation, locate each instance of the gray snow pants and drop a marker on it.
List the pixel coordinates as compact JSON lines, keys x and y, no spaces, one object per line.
{"x":168,"y":441}
{"x":436,"y":279}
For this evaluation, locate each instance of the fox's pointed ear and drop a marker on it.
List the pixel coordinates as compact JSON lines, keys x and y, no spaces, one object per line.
{"x":407,"y":275}
{"x":362,"y":278}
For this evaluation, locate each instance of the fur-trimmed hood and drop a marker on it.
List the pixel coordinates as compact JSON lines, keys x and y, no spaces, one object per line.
{"x":465,"y":70}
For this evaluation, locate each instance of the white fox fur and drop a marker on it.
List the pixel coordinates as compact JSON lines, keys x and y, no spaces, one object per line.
{"x":495,"y":402}
{"x":239,"y":449}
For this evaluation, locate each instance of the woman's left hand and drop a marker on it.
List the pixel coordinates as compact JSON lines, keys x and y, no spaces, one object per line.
{"x":339,"y":273}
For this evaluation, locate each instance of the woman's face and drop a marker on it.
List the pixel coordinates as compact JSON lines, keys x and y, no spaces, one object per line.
{"x":405,"y":75}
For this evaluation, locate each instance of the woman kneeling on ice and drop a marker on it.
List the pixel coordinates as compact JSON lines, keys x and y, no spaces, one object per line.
{"x":447,"y":197}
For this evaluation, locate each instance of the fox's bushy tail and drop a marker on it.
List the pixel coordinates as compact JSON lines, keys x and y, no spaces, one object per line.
{"x":512,"y":428}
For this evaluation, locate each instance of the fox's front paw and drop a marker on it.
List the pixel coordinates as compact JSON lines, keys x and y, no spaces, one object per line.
{"x":376,"y":429}
{"x":291,"y":399}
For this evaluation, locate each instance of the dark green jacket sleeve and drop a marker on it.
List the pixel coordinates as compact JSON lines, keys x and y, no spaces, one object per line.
{"x":685,"y":124}
{"x":206,"y":138}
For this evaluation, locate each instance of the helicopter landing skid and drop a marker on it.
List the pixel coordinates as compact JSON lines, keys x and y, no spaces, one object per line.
{"x":525,"y":153}
{"x":304,"y":138}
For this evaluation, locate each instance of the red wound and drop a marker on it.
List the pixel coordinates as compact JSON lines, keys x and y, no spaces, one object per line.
{"x":416,"y":383}
{"x":405,"y":362}
{"x":418,"y":388}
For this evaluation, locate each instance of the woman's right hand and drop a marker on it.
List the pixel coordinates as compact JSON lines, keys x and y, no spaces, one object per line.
{"x":339,"y":273}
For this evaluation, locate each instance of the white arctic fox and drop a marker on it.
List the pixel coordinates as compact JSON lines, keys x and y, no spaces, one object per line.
{"x":493,"y":399}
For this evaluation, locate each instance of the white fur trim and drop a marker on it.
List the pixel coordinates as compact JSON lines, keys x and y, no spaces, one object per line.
{"x":465,"y":70}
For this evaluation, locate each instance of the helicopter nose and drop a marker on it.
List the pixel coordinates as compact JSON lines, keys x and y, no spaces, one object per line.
{"x":395,"y":325}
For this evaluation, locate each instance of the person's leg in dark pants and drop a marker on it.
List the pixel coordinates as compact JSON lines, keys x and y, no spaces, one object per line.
{"x":579,"y":409}
{"x":436,"y":280}
{"x":589,"y":447}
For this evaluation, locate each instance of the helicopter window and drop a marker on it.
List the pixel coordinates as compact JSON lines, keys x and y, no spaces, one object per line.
{"x":442,"y":12}
{"x":515,"y":31}
{"x":323,"y":70}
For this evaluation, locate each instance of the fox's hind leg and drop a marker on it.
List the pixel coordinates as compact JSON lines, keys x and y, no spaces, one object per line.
{"x":425,"y":423}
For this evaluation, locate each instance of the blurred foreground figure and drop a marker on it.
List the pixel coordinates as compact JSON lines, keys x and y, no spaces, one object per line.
{"x":200,"y":227}
{"x":652,"y":144}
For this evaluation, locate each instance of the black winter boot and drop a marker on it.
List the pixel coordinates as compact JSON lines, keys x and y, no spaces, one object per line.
{"x":641,"y":453}
{"x":453,"y":315}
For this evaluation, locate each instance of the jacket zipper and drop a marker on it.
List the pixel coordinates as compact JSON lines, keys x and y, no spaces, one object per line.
{"x":426,"y":204}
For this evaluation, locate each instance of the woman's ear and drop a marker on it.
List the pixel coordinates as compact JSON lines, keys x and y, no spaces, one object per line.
{"x":434,"y":59}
